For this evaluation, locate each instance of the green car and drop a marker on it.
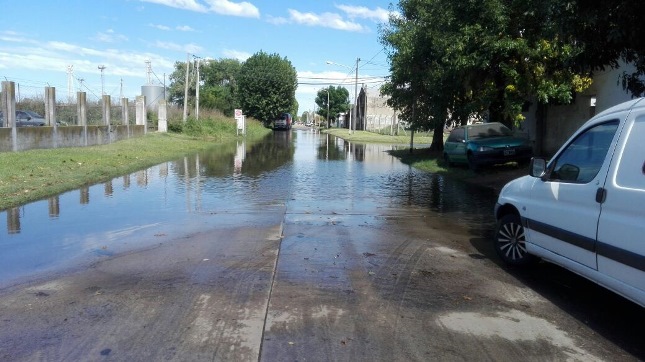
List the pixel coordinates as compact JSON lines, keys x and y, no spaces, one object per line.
{"x":484,"y":144}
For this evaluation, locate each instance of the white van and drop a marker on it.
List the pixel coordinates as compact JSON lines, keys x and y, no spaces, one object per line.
{"x":585,"y":209}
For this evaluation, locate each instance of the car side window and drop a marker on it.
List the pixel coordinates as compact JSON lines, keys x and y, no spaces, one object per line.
{"x":457,"y":135}
{"x":581,"y":160}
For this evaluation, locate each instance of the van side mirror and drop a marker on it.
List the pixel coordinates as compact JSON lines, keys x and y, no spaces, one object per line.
{"x":537,"y":168}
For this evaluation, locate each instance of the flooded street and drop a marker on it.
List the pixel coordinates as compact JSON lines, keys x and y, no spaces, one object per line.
{"x":305,"y":172}
{"x":300,"y":247}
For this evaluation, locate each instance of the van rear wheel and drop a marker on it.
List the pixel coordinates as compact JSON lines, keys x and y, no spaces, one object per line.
{"x":510,"y":241}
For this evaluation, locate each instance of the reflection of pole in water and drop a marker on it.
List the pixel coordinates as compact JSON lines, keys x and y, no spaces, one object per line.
{"x":163,"y":170}
{"x":126,"y":182}
{"x":240,"y":154}
{"x":142,"y":178}
{"x":13,"y":220}
{"x":54,"y":206}
{"x":187,"y":183}
{"x":198,"y":196}
{"x":108,"y":189}
{"x":85,"y":195}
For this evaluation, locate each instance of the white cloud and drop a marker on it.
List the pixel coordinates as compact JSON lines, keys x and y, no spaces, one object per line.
{"x":185,"y":48}
{"x":110,"y":36}
{"x":225,"y":7}
{"x":160,"y":27}
{"x":191,"y":5}
{"x":55,"y":56}
{"x":277,"y":20}
{"x":184,"y":28}
{"x":14,"y":37}
{"x":328,"y":20}
{"x":379,"y":14}
{"x":236,"y":54}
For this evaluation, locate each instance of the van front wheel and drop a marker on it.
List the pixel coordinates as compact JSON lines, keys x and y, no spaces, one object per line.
{"x":510,"y":241}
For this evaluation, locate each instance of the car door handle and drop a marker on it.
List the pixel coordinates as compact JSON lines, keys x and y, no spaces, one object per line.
{"x":601,"y":195}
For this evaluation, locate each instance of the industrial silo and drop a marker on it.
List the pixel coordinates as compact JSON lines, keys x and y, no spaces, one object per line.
{"x":153,"y":93}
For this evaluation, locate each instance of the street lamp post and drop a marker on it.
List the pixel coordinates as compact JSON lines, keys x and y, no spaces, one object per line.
{"x":354,"y":111}
{"x":327,"y":90}
{"x":356,"y":94}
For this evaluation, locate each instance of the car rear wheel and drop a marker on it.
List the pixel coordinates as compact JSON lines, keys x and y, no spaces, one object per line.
{"x":510,"y":241}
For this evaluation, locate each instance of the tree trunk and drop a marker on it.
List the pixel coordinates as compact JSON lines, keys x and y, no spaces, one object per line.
{"x":412,"y":140}
{"x":437,"y":138}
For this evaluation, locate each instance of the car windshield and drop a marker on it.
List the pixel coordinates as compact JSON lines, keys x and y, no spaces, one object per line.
{"x":488,"y":130}
{"x":33,"y":114}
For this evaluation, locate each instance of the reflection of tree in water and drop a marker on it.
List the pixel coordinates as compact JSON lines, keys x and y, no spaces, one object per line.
{"x":336,"y":149}
{"x":275,"y":151}
{"x":265,"y":155}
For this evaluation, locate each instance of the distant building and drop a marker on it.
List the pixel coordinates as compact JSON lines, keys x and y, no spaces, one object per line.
{"x":373,"y":112}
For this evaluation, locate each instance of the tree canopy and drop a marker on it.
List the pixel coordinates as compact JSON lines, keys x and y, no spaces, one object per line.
{"x":338,"y":102}
{"x":451,"y":60}
{"x":218,"y":84}
{"x":267,"y":86}
{"x":263,"y":86}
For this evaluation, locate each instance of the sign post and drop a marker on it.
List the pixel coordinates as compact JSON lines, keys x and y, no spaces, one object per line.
{"x":241,"y":122}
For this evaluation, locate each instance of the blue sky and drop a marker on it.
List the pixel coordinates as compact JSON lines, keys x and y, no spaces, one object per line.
{"x":40,"y":40}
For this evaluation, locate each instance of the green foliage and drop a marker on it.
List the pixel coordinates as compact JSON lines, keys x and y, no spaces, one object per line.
{"x":218,"y":79}
{"x":209,"y":127}
{"x":451,"y":60}
{"x":175,"y":126}
{"x":338,"y":102}
{"x":304,"y":117}
{"x":267,"y":86}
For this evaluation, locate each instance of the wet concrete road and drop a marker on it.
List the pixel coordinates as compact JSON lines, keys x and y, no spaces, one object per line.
{"x":302,"y":248}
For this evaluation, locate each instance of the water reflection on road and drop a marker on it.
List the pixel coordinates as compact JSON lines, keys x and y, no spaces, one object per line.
{"x":302,"y":170}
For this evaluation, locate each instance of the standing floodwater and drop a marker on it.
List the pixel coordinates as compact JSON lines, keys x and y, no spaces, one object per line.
{"x":303,"y":171}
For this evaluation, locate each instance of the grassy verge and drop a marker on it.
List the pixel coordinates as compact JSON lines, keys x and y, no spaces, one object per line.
{"x":370,"y":137}
{"x":494,"y":177}
{"x":36,"y":174}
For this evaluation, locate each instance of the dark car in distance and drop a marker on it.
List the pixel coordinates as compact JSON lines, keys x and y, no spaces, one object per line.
{"x":482,"y":144}
{"x":25,"y":119}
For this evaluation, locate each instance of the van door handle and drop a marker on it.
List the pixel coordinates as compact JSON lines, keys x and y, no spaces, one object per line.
{"x":601,"y":195}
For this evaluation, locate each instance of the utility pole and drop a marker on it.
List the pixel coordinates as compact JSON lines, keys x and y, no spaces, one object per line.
{"x":186,"y":87}
{"x":102,"y":68}
{"x":355,"y":98}
{"x":70,"y":77}
{"x":197,"y":88}
{"x":327,"y":107}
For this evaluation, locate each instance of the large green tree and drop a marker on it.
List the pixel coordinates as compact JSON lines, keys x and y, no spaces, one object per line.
{"x":267,"y":86}
{"x":338,"y":102}
{"x":219,"y":79}
{"x":176,"y":89}
{"x":451,"y":60}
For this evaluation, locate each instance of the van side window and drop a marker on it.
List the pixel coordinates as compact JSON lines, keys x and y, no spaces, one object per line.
{"x":581,"y":160}
{"x":631,"y":164}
